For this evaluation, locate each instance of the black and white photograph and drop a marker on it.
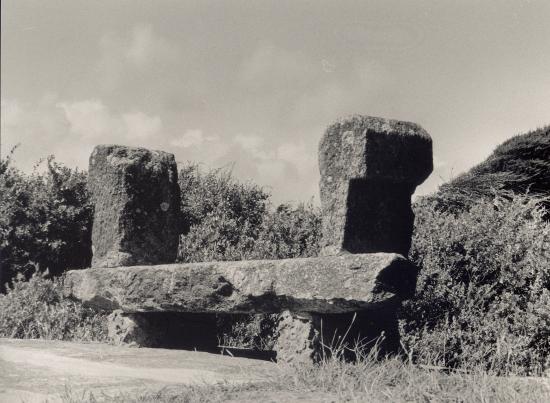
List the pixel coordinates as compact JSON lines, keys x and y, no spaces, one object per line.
{"x":279,"y":201}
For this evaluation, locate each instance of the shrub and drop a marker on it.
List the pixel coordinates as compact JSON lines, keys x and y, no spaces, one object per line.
{"x":483,"y":295}
{"x":288,"y":232}
{"x":235,"y":221}
{"x":256,"y":332}
{"x":45,"y":218}
{"x":222,"y":213}
{"x":37,"y":309}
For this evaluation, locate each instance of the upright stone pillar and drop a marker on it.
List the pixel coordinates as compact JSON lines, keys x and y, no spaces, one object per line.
{"x":369,"y":168}
{"x":137,"y":206}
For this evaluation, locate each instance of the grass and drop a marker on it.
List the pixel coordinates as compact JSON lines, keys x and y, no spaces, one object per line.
{"x":37,"y":309}
{"x":368,"y":380}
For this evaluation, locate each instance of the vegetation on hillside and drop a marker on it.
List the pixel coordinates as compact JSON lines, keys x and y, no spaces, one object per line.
{"x":520,"y":165}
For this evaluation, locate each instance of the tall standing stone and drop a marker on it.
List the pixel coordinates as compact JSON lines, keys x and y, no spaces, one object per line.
{"x":369,"y":168}
{"x":137,"y":206}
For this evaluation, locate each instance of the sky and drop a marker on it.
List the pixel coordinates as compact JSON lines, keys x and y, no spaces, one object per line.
{"x":252,"y":85}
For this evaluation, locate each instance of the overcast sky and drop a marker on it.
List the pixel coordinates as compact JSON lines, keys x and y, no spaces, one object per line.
{"x":255,"y":83}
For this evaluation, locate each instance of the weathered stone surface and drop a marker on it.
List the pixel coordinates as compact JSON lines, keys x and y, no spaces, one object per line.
{"x":329,"y":284}
{"x":137,"y":213}
{"x":369,"y":169}
{"x":298,"y":338}
{"x":131,"y":329}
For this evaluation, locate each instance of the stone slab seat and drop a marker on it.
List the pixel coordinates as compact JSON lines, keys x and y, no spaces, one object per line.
{"x":325,"y":285}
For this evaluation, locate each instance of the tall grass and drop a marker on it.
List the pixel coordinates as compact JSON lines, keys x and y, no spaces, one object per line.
{"x":36,"y":309}
{"x":370,"y":379}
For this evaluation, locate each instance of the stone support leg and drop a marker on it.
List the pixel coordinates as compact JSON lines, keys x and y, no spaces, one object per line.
{"x":132,"y":329}
{"x":312,"y":337}
{"x":298,"y":338}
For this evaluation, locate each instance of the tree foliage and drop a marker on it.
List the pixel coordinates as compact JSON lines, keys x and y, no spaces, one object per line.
{"x":236,"y":221}
{"x":45,"y":220}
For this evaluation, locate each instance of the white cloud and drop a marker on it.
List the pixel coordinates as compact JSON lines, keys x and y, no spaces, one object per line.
{"x":271,"y":67}
{"x":286,"y":167}
{"x":196,"y":146}
{"x":138,"y":125}
{"x":251,"y":143}
{"x":92,"y":120}
{"x":38,"y":128}
{"x":192,"y":138}
{"x":70,"y":129}
{"x":11,"y":114}
{"x":271,"y":171}
{"x":142,"y":46}
{"x":111,"y":64}
{"x":274,"y":161}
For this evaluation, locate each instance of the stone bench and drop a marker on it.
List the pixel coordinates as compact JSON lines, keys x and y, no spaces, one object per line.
{"x":369,"y":170}
{"x":311,"y":291}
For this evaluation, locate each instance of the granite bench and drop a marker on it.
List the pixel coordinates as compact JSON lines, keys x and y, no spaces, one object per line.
{"x":369,"y":169}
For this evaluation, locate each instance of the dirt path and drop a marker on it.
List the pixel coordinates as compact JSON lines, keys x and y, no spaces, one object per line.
{"x":36,"y":370}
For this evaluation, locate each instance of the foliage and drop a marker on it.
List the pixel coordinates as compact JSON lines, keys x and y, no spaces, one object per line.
{"x":483,"y":295}
{"x":255,"y":332}
{"x":45,"y":218}
{"x":288,"y":232}
{"x":235,"y":221}
{"x":37,"y":309}
{"x":222,"y":214}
